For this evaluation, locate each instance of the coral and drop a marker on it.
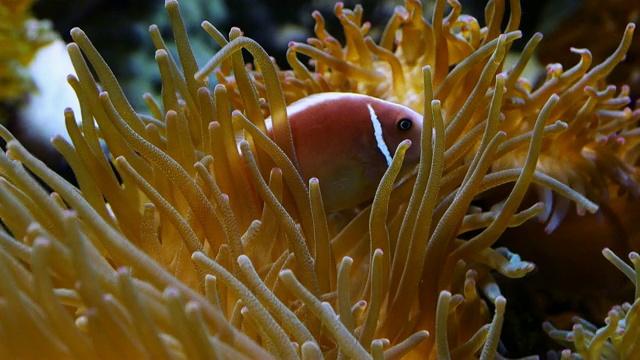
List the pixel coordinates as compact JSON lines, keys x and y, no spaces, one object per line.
{"x":21,"y":36}
{"x":195,"y":236}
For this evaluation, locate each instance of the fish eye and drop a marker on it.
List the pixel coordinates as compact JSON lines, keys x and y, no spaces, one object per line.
{"x":404,"y":124}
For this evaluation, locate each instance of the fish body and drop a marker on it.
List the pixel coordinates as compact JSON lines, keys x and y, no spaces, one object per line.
{"x":347,"y":142}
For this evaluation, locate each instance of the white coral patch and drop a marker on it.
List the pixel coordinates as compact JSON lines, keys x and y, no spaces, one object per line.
{"x":43,"y":112}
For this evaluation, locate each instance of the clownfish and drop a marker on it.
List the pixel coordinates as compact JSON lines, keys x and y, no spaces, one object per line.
{"x":347,"y":142}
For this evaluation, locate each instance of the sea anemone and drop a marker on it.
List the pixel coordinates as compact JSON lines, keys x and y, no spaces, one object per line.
{"x":588,"y":24}
{"x":618,"y":338}
{"x":595,"y":156}
{"x":195,"y":236}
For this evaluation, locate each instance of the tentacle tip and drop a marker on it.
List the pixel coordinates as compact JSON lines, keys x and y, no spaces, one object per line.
{"x":547,"y":326}
{"x":41,"y":242}
{"x":197,"y":255}
{"x":72,"y":46}
{"x":347,"y":260}
{"x":12,"y":144}
{"x":286,"y":273}
{"x":69,"y":215}
{"x":171,"y":292}
{"x":160,"y":53}
{"x":56,"y":138}
{"x":76,"y":31}
{"x":200,"y":75}
{"x":551,"y":227}
{"x":121,"y":160}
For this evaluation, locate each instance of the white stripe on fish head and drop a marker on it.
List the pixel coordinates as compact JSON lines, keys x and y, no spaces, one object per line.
{"x":377,"y":132}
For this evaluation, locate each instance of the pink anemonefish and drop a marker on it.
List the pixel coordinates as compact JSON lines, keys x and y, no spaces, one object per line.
{"x":347,"y":141}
